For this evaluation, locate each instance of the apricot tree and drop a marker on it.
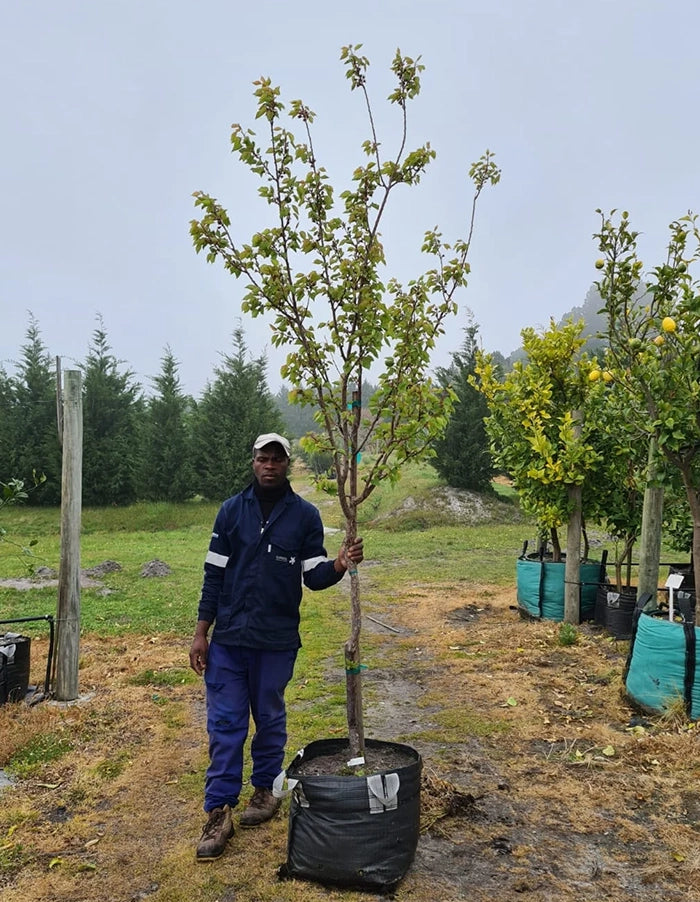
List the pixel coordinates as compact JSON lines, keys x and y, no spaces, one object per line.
{"x":319,"y":272}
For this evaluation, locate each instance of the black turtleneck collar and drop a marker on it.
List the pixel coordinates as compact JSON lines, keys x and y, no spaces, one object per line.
{"x":269,"y":496}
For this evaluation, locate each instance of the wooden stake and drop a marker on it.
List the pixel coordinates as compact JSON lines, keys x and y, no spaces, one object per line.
{"x":68,"y":617}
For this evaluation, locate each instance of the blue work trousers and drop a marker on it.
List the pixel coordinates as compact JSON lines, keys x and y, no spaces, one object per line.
{"x":241,"y":682}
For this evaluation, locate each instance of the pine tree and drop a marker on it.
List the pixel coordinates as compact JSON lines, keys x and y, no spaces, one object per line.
{"x":234,"y":409}
{"x":36,"y":450}
{"x":112,"y":411}
{"x":7,"y":426}
{"x":165,"y":470}
{"x":462,"y":455}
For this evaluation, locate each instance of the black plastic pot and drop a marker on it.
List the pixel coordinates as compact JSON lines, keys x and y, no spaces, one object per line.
{"x":688,"y":574}
{"x":601,"y":604}
{"x":353,"y":831}
{"x":14,"y":667}
{"x":614,"y":610}
{"x":619,"y":612}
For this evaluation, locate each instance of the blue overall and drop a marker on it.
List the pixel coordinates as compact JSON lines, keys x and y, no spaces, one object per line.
{"x":241,"y":682}
{"x":252,"y":591}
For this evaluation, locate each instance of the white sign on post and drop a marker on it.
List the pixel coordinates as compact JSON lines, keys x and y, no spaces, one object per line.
{"x":674,"y":581}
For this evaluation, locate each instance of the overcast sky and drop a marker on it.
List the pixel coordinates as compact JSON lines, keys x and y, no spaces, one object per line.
{"x":115,"y":111}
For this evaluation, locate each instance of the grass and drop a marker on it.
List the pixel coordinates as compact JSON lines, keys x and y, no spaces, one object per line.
{"x":568,"y":634}
{"x":128,"y":603}
{"x":40,"y":750}
{"x":173,"y":676}
{"x":452,"y":724}
{"x":178,"y":535}
{"x":505,"y":491}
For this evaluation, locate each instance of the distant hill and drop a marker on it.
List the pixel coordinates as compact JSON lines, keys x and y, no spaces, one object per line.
{"x":594,"y":324}
{"x":589,"y":312}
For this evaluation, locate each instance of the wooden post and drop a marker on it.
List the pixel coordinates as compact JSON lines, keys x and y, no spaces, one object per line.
{"x":650,"y":537}
{"x":68,"y":617}
{"x":572,"y":571}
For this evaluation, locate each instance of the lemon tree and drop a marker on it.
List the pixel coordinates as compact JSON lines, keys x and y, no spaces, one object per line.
{"x":543,"y":436}
{"x":654,"y":345}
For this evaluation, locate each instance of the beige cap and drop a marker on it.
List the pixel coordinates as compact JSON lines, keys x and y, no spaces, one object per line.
{"x":268,"y":438}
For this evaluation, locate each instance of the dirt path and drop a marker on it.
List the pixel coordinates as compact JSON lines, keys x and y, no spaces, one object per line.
{"x":573,"y":798}
{"x":540,"y":782}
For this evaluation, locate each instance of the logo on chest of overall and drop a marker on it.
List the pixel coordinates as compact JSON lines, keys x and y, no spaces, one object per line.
{"x":281,"y":558}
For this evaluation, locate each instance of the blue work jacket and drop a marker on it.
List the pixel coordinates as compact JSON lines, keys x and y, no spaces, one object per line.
{"x":253,"y":571}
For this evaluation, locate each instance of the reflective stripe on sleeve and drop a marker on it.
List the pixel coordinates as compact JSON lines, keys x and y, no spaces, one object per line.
{"x":218,"y":560}
{"x":312,"y":562}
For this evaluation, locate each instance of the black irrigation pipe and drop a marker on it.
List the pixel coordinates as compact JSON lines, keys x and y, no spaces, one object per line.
{"x":688,"y":564}
{"x":49,"y":662}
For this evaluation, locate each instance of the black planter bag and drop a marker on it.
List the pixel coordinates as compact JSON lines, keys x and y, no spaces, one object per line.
{"x":618,"y":609}
{"x":352,"y":831}
{"x":14,"y":667}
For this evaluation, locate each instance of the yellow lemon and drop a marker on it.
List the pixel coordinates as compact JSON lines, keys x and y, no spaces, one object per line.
{"x":668,"y":324}
{"x":607,"y":376}
{"x":599,"y":264}
{"x":594,"y":375}
{"x":659,"y":340}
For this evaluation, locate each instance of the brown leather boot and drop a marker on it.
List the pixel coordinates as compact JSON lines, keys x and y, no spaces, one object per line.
{"x":261,"y":808}
{"x":216,"y":833}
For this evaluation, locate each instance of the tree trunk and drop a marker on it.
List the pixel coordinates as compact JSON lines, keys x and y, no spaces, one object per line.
{"x":353,"y":675}
{"x":572,"y":578}
{"x":586,"y":543}
{"x":353,"y":658}
{"x":696,"y":565}
{"x":650,"y":537}
{"x":556,"y":547}
{"x":572,"y":571}
{"x":693,"y":495}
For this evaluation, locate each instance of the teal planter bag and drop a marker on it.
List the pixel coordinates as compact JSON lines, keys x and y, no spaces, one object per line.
{"x":662,"y":664}
{"x":540,"y":585}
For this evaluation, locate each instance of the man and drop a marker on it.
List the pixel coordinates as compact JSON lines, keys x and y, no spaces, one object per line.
{"x":266,"y":540}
